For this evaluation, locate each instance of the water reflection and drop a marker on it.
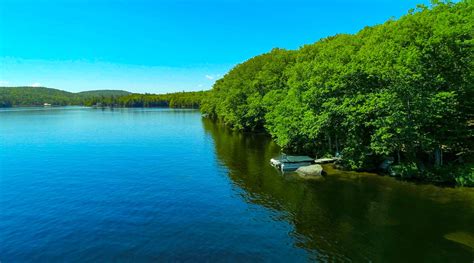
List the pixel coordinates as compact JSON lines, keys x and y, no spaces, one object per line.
{"x":352,"y":216}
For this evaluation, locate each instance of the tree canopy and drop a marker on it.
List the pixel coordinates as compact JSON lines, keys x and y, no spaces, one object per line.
{"x":401,"y":90}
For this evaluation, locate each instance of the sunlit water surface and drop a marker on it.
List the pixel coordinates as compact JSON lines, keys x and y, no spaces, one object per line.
{"x":82,"y":184}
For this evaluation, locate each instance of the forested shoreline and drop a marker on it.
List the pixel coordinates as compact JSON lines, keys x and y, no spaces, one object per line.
{"x":190,"y":99}
{"x":400,"y":92}
{"x":38,"y":96}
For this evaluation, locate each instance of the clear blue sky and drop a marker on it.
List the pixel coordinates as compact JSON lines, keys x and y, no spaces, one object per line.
{"x":163,"y":46}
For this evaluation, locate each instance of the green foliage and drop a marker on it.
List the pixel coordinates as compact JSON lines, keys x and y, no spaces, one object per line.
{"x":464,"y":176}
{"x":461,"y":174}
{"x":237,"y":99}
{"x":402,"y":89}
{"x":406,"y":170}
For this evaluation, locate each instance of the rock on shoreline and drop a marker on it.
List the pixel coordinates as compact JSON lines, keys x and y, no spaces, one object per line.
{"x":314,"y":171}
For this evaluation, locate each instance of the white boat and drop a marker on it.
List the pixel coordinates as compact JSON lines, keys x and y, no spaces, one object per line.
{"x":290,"y":162}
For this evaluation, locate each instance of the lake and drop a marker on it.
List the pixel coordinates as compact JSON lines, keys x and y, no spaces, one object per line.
{"x":82,"y":184}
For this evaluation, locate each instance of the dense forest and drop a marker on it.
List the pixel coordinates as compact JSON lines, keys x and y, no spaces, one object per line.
{"x":401,"y":91}
{"x":190,"y":99}
{"x":38,"y":96}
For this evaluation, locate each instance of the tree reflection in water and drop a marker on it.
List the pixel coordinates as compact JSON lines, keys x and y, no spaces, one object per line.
{"x":351,"y":216}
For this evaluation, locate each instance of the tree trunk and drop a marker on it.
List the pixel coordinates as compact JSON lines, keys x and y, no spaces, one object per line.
{"x":441,"y":152}
{"x":438,"y":153}
{"x":330,"y":143}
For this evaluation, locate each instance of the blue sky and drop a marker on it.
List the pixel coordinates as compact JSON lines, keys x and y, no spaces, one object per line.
{"x":163,"y":46}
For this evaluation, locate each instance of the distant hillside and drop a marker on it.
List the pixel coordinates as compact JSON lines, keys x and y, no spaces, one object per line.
{"x":31,"y":96}
{"x":36,"y":96}
{"x":105,"y":93}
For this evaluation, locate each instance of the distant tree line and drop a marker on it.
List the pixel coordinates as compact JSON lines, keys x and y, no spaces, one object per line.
{"x":38,"y":96}
{"x":400,"y":91}
{"x":172,"y":100}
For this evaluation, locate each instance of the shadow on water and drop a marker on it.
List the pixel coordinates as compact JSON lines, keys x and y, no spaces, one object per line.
{"x":352,"y":216}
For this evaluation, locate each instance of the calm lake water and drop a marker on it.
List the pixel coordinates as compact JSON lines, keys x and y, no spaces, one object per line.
{"x":81,"y":184}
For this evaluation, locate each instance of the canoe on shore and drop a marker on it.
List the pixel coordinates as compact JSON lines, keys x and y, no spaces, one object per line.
{"x":326,"y":160}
